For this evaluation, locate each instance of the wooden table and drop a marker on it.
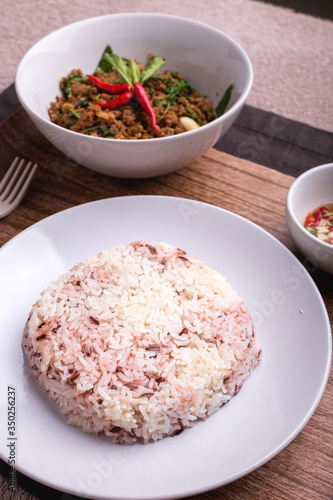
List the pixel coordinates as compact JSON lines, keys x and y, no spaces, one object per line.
{"x":303,"y":470}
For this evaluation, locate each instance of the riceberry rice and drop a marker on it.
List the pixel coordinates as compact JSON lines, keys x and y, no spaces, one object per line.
{"x":140,"y":342}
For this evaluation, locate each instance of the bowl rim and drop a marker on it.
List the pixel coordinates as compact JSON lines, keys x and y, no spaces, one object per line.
{"x":290,"y":197}
{"x":234,"y":108}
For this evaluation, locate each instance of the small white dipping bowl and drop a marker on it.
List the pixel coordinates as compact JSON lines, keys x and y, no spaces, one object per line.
{"x":209,"y":60}
{"x":309,"y":191}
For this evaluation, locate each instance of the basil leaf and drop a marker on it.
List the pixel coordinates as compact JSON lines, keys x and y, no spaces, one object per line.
{"x":222,"y":105}
{"x":135,"y":70}
{"x":173,"y":90}
{"x":68,"y":83}
{"x":152,"y":66}
{"x":104,"y":131}
{"x":192,"y":114}
{"x":82,"y":102}
{"x":104,"y":65}
{"x":157,"y":78}
{"x":120,"y":65}
{"x":176,"y":88}
{"x":160,"y":103}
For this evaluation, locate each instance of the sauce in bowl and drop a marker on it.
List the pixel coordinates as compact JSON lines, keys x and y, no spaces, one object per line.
{"x":319,"y":222}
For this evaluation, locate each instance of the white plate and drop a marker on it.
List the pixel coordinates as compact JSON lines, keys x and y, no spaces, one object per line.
{"x":275,"y":403}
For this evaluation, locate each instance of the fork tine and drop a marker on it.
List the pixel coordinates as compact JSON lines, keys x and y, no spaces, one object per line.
{"x":8,"y":174}
{"x":14,"y":185}
{"x":19,"y":182}
{"x":23,"y":184}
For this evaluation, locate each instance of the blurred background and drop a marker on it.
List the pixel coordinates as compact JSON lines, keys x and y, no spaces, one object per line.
{"x":317,"y":8}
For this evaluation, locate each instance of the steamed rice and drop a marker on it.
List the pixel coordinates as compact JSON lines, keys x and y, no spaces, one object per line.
{"x":140,"y":341}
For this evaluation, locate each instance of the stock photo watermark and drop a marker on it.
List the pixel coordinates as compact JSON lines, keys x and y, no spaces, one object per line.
{"x":249,"y":148}
{"x":11,"y":436}
{"x":189,"y":208}
{"x":74,"y":155}
{"x":100,"y":472}
{"x":291,"y":281}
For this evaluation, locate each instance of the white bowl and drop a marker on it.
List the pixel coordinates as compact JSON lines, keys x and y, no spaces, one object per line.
{"x":309,"y":191}
{"x":209,"y":59}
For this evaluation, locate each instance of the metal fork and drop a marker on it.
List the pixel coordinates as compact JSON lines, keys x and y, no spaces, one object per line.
{"x":14,"y":185}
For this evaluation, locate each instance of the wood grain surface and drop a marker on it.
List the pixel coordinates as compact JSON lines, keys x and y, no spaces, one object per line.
{"x":304,"y":469}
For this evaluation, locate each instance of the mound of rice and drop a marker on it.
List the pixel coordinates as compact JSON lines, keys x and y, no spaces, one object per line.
{"x":140,"y":342}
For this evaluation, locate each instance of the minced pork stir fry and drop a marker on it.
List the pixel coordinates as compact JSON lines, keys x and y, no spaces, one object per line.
{"x":123,"y":99}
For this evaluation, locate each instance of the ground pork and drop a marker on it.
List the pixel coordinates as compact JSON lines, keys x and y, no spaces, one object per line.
{"x":170,"y":95}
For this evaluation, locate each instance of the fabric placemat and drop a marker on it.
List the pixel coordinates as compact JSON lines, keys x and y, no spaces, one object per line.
{"x":277,"y":142}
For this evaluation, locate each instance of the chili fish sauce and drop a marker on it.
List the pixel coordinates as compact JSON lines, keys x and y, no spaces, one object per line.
{"x":319,"y":222}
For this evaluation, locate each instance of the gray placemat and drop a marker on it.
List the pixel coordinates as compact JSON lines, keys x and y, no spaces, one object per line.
{"x":276,"y":142}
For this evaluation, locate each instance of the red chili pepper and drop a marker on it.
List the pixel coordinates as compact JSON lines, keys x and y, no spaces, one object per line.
{"x":110,"y":88}
{"x":118,"y":101}
{"x":144,"y":102}
{"x":311,"y":221}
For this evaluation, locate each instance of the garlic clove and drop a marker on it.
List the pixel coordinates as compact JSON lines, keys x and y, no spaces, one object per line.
{"x":188,"y":123}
